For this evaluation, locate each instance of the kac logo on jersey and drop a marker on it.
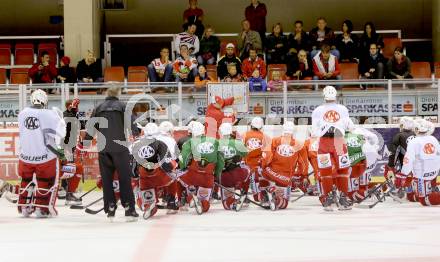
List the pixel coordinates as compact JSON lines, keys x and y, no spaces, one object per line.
{"x":331,"y":116}
{"x":31,"y":123}
{"x":353,"y":142}
{"x":205,"y":148}
{"x":146,"y":152}
{"x":228,"y":151}
{"x":254,"y":143}
{"x":285,"y":150}
{"x":429,"y":149}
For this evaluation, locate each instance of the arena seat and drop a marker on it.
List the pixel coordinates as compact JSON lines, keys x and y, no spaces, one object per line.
{"x":114,"y":74}
{"x":437,"y":69}
{"x":390,"y":45}
{"x":24,"y":54}
{"x":50,"y":48}
{"x":3,"y":76}
{"x":421,"y":70}
{"x":137,"y":74}
{"x":349,"y":71}
{"x":19,"y":76}
{"x":223,"y":47}
{"x":5,"y":54}
{"x":211,"y":70}
{"x":276,"y":67}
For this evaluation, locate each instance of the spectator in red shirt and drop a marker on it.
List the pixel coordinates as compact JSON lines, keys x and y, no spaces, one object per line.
{"x":43,"y":72}
{"x":195,"y":15}
{"x":256,"y":13}
{"x":254,"y":62}
{"x":325,"y":65}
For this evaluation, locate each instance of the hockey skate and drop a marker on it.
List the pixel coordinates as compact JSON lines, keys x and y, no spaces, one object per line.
{"x":238,"y":204}
{"x":271,"y":197}
{"x":344,"y":202}
{"x":62,"y":193}
{"x":172,"y":207}
{"x":111,"y":212}
{"x":130,"y":214}
{"x":329,"y":201}
{"x":71,"y":199}
{"x":5,"y":187}
{"x":42,"y":213}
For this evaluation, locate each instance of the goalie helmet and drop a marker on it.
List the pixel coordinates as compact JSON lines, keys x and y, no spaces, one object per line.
{"x":406,"y":123}
{"x":39,"y":97}
{"x":423,"y":126}
{"x":329,"y":93}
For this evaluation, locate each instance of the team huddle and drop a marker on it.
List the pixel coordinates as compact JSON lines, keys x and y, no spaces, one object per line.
{"x":334,"y":162}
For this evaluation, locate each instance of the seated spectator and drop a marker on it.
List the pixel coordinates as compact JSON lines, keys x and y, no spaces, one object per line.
{"x":276,"y":46}
{"x":325,"y":65}
{"x":276,"y":83}
{"x":373,"y":65}
{"x":209,"y":47}
{"x":248,"y":39}
{"x":202,"y":79}
{"x":254,"y":62}
{"x":229,"y":58}
{"x":193,"y":13}
{"x":256,"y":82}
{"x":44,"y":71}
{"x":233,"y":75}
{"x":188,"y":37}
{"x":298,"y":40}
{"x":89,"y":70}
{"x":256,"y":13}
{"x":399,"y":66}
{"x":302,"y":68}
{"x":320,"y":35}
{"x":161,"y":69}
{"x":369,"y":37}
{"x":347,"y":43}
{"x":66,"y":74}
{"x":185,"y":66}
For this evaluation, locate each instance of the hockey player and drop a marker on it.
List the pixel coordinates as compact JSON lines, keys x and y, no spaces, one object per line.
{"x":422,"y":159}
{"x":358,"y":164}
{"x":198,"y":162}
{"x":215,"y":115}
{"x":329,"y":123}
{"x":156,"y":161}
{"x":279,"y":164}
{"x":40,"y":132}
{"x":234,"y":174}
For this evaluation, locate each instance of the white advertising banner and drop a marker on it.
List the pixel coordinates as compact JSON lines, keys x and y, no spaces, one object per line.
{"x":427,"y":105}
{"x":378,"y":105}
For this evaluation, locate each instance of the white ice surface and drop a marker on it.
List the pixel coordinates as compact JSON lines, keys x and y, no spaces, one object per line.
{"x":391,"y":231}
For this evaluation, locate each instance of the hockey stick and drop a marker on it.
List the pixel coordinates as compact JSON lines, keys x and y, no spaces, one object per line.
{"x":298,"y":198}
{"x":86,"y":206}
{"x":93,"y":212}
{"x":233,"y":192}
{"x":372,"y":205}
{"x":88,"y":192}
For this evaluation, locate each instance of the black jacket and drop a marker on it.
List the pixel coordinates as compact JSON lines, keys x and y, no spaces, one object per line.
{"x":304,"y":43}
{"x":397,"y":148}
{"x":349,"y":50}
{"x":367,"y":62}
{"x":68,"y":73}
{"x":222,"y":65}
{"x":88,"y":71}
{"x":152,"y":151}
{"x":68,"y":125}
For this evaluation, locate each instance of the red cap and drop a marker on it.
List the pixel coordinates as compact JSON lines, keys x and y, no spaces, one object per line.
{"x":65,"y":60}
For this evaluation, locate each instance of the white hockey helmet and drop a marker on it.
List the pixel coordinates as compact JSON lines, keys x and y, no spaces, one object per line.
{"x":257,"y":122}
{"x":225,"y":129}
{"x":406,"y":123}
{"x":288,"y":127}
{"x":197,"y":129}
{"x":329,"y":93}
{"x":422,"y":126}
{"x":150,"y":129}
{"x":39,"y":97}
{"x":166,"y":127}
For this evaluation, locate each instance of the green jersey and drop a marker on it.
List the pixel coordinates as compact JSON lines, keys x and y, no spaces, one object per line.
{"x":231,"y":152}
{"x":202,"y":149}
{"x":354,"y":146}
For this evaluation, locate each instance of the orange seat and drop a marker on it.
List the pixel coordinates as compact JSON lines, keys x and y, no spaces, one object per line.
{"x":50,"y":48}
{"x":223,"y":47}
{"x":137,"y":74}
{"x":437,"y":69}
{"x":421,"y":69}
{"x":282,"y":68}
{"x":211,"y":70}
{"x":390,"y":45}
{"x":5,"y":54}
{"x":24,"y":54}
{"x":349,"y":71}
{"x":2,"y":76}
{"x":19,"y":76}
{"x":114,"y":74}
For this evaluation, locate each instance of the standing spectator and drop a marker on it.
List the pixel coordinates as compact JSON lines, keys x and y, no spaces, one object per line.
{"x":256,"y":13}
{"x":114,"y":157}
{"x":233,"y":74}
{"x":369,"y":37}
{"x":185,"y":66}
{"x":372,"y":66}
{"x":188,"y":37}
{"x":193,"y":13}
{"x":325,"y":65}
{"x":202,"y":79}
{"x":229,"y":58}
{"x":209,"y":47}
{"x":347,"y":43}
{"x":399,"y":66}
{"x":44,"y":71}
{"x":248,"y":39}
{"x":298,"y":39}
{"x":256,"y":82}
{"x":253,"y":63}
{"x":88,"y":70}
{"x":161,"y":69}
{"x":276,"y":45}
{"x":320,"y":35}
{"x":301,"y":68}
{"x":276,"y":83}
{"x":66,"y":74}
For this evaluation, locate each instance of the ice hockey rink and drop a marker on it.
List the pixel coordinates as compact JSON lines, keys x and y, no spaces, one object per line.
{"x":391,"y":231}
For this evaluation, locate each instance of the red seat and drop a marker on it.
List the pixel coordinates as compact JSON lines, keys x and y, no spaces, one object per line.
{"x":223,"y":47}
{"x":349,"y":71}
{"x":114,"y":74}
{"x":137,"y":74}
{"x":24,"y":54}
{"x":421,"y":69}
{"x":2,"y":76}
{"x":5,"y":54}
{"x":390,"y":45}
{"x":19,"y":76}
{"x":211,"y":70}
{"x":282,"y":68}
{"x":50,"y":48}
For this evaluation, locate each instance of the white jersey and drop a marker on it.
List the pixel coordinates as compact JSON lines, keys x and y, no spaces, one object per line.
{"x":422,"y":158}
{"x":158,"y":65}
{"x":371,"y":147}
{"x":171,"y":144}
{"x":191,"y":40}
{"x":329,"y":115}
{"x":39,"y":128}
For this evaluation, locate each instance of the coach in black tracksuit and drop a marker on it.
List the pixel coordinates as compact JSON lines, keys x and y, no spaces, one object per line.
{"x":114,"y":156}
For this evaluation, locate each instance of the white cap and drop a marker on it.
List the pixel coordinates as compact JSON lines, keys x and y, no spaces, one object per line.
{"x":197,"y":129}
{"x":422,"y":126}
{"x":329,"y":93}
{"x":190,"y":125}
{"x":39,"y":97}
{"x":257,"y":122}
{"x":406,"y":123}
{"x":288,"y":127}
{"x":166,"y":127}
{"x":230,"y":45}
{"x":151,"y":129}
{"x":225,"y":129}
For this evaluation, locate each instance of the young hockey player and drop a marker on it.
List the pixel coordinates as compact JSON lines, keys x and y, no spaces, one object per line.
{"x":358,"y":163}
{"x":41,"y":131}
{"x":329,"y":123}
{"x":234,"y":175}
